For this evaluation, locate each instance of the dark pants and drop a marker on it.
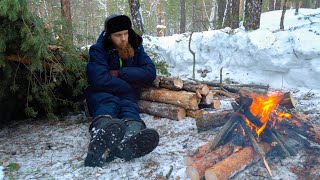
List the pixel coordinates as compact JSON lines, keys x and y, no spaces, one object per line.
{"x":102,"y":103}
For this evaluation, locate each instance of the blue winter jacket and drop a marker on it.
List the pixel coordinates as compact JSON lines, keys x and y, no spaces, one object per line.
{"x":135,"y":73}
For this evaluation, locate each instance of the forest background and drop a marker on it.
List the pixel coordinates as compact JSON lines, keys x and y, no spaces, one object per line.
{"x":42,"y":59}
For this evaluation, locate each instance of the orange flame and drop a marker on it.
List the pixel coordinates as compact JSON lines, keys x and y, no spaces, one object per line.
{"x":263,"y":106}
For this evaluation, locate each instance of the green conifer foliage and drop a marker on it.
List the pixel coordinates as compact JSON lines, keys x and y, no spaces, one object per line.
{"x":50,"y":82}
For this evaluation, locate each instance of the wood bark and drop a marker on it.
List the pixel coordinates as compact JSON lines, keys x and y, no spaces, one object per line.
{"x":196,"y":113}
{"x":221,"y":10}
{"x":235,"y":163}
{"x":172,"y":83}
{"x":187,"y":100}
{"x":288,"y":101}
{"x":197,"y":169}
{"x":252,"y":14}
{"x":235,"y":14}
{"x":277,"y":5}
{"x":183,"y":16}
{"x":137,"y":20}
{"x":203,"y":88}
{"x":66,"y":14}
{"x":284,"y":8}
{"x":162,"y":110}
{"x":301,"y":124}
{"x":271,"y":5}
{"x":212,"y":120}
{"x":317,"y":5}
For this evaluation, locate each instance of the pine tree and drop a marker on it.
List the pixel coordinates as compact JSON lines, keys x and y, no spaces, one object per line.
{"x":35,"y":80}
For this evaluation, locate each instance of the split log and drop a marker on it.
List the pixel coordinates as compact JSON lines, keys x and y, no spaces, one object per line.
{"x":196,"y":113}
{"x":288,"y":101}
{"x":187,"y":100}
{"x":203,"y":88}
{"x":197,"y":169}
{"x":208,"y":99}
{"x":162,"y":110}
{"x":212,"y":120}
{"x":215,"y":103}
{"x":235,"y":163}
{"x":168,"y":83}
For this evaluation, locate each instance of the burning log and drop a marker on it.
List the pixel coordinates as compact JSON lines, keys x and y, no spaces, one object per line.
{"x":212,"y":120}
{"x":304,"y":127}
{"x":235,"y":163}
{"x":197,"y":169}
{"x":187,"y":100}
{"x":283,"y":144}
{"x":171,"y":83}
{"x":254,"y":142}
{"x":161,"y":109}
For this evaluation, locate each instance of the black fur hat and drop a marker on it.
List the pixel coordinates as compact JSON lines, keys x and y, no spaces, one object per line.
{"x":115,"y":23}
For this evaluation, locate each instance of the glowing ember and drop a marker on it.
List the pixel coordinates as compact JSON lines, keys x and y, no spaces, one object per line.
{"x":263,"y":106}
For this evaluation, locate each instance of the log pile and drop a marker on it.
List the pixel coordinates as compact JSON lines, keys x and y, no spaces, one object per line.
{"x":175,"y":99}
{"x":236,"y":146}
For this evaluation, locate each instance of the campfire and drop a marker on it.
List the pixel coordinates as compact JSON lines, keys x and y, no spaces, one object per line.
{"x":258,"y":124}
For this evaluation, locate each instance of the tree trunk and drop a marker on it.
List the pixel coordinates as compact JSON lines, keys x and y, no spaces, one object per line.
{"x":66,"y":14}
{"x":282,"y":15}
{"x":271,"y":5}
{"x":252,"y":14}
{"x":277,"y":5}
{"x":235,"y":163}
{"x":235,"y":14}
{"x":317,"y":5}
{"x":297,"y":5}
{"x":227,"y":14}
{"x":187,"y":100}
{"x":136,"y":15}
{"x":162,"y":110}
{"x":183,"y":16}
{"x":306,"y":4}
{"x":212,"y":14}
{"x":221,"y":10}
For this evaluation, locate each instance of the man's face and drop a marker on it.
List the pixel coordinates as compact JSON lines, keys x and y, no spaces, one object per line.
{"x":120,"y":39}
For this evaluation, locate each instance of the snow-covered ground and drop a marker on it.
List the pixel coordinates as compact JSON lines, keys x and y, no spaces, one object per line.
{"x":288,"y":60}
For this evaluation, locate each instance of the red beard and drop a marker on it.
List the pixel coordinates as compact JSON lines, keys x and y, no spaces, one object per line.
{"x":125,"y":52}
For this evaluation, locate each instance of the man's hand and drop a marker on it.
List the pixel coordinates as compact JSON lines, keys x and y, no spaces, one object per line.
{"x":114,"y":73}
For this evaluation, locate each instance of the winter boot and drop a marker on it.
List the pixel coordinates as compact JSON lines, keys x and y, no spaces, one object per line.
{"x":138,"y":140}
{"x":106,"y":134}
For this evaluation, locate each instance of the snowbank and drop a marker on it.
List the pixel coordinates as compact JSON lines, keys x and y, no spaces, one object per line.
{"x":289,"y":58}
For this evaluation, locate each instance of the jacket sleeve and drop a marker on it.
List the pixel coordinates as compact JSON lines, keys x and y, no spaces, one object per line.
{"x":98,"y":73}
{"x":145,"y":72}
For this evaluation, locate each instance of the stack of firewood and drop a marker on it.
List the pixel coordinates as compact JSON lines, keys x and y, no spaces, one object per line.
{"x":175,"y":99}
